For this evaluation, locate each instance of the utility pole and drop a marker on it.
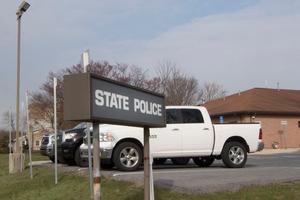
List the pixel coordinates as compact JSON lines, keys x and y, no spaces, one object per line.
{"x":17,"y":158}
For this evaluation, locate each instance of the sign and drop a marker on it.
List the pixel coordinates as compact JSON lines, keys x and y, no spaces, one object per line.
{"x":221,"y":119}
{"x":88,"y":97}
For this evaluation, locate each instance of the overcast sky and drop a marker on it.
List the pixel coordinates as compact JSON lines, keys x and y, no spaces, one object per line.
{"x":239,"y":44}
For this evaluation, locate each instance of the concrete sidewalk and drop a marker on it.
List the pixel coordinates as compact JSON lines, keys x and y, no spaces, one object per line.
{"x":276,"y":151}
{"x":41,"y":162}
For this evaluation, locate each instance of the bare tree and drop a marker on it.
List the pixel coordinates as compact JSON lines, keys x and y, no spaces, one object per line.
{"x":4,"y":140}
{"x":9,"y":121}
{"x":178,"y":88}
{"x":211,"y":91}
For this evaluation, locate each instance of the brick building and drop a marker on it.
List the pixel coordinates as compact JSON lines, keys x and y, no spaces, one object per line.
{"x":39,"y":129}
{"x":277,"y":110}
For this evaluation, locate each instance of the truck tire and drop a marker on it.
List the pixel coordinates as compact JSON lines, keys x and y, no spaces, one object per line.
{"x":79,"y":162}
{"x":159,"y":161}
{"x":107,"y":165}
{"x":234,"y":155}
{"x":60,"y":159}
{"x":180,"y":160}
{"x":205,"y":161}
{"x":52,"y":158}
{"x":127,"y":156}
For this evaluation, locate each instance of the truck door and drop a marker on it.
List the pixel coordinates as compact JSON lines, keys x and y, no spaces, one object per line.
{"x":166,"y":142}
{"x":197,"y":135}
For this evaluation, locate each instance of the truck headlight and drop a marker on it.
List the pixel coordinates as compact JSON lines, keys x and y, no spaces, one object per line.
{"x":106,"y":137}
{"x":70,"y":137}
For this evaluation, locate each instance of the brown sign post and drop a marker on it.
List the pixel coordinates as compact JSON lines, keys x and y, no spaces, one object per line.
{"x":92,"y":98}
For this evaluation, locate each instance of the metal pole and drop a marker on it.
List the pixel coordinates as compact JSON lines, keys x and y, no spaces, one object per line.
{"x":147,"y":183}
{"x":17,"y":156}
{"x":55,"y":128}
{"x":88,"y":132}
{"x":85,"y":57}
{"x":29,"y":136}
{"x":96,"y":161}
{"x":10,"y":155}
{"x":151,"y":177}
{"x":85,"y":60}
{"x":9,"y":116}
{"x":17,"y":159}
{"x":22,"y":136}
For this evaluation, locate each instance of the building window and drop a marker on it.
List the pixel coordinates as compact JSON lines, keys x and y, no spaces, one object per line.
{"x":37,"y":143}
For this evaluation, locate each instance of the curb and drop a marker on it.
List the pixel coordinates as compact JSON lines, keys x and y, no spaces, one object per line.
{"x":277,"y":151}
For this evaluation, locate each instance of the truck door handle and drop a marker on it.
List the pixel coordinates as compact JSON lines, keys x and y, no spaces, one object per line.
{"x":205,"y":129}
{"x":175,"y":129}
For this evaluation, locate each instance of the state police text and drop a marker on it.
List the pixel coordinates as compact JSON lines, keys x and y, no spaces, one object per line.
{"x":118,"y":101}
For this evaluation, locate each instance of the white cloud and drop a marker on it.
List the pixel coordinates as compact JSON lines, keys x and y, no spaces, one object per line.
{"x":240,"y":50}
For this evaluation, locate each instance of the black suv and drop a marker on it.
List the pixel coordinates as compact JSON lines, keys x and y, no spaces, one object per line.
{"x":71,"y":146}
{"x":51,"y":154}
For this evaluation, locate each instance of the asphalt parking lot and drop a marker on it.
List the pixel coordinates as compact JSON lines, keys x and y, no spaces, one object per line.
{"x":260,"y":170}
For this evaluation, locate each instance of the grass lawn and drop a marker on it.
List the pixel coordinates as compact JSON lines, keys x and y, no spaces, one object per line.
{"x":72,"y":186}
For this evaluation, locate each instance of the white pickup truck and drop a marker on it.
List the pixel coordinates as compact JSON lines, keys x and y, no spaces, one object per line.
{"x":189,"y":134}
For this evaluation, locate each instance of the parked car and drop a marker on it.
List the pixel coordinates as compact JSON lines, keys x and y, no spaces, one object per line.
{"x":189,"y":134}
{"x":60,"y":139}
{"x":46,"y":145}
{"x":72,"y":141}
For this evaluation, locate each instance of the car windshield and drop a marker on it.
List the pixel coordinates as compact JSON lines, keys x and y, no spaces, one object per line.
{"x":45,"y":140}
{"x":80,"y":126}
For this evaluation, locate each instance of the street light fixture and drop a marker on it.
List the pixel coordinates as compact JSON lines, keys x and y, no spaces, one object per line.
{"x":22,"y":8}
{"x":18,"y":156}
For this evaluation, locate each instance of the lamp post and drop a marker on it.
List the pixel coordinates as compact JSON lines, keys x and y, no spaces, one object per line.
{"x":21,"y":9}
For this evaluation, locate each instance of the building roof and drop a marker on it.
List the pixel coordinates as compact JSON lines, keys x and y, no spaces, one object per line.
{"x":257,"y":101}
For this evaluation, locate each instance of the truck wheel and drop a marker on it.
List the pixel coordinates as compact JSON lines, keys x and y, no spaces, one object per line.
{"x":204,"y":161}
{"x":180,"y":160}
{"x":52,"y":158}
{"x":70,"y":162}
{"x":107,"y":165}
{"x":159,"y":161}
{"x":60,"y":159}
{"x":234,"y":155}
{"x":78,"y":160}
{"x":127,"y":156}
